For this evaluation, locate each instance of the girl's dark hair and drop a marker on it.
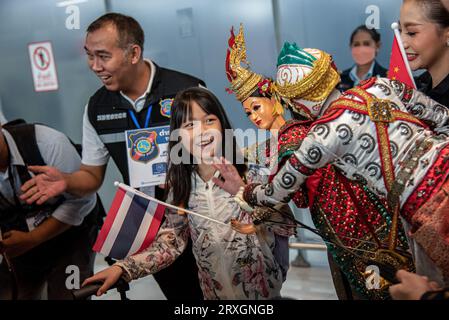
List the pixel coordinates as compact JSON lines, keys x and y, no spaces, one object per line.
{"x":435,"y":12}
{"x":179,"y":176}
{"x":372,"y":32}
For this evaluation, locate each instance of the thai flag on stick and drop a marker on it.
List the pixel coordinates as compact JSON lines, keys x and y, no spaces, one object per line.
{"x":133,"y":222}
{"x":131,"y":225}
{"x":399,"y":67}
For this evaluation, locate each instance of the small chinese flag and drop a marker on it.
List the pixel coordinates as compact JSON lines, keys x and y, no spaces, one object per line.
{"x":399,"y":67}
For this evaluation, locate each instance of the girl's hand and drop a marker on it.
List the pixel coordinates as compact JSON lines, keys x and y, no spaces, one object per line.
{"x":232,"y":180}
{"x":108,"y":276}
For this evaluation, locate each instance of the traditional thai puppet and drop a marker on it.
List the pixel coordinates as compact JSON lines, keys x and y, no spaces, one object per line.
{"x":354,"y":223}
{"x":387,"y":153}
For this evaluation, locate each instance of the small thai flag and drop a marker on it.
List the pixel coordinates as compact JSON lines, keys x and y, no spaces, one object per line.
{"x":131,"y":224}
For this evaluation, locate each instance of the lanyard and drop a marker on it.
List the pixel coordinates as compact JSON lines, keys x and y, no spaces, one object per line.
{"x":147,"y":119}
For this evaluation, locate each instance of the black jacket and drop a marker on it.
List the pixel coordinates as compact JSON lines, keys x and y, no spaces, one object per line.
{"x":440,"y":93}
{"x":166,"y":84}
{"x":346,"y":82}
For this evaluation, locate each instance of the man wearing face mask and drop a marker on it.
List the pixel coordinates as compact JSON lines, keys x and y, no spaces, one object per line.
{"x":365,"y":44}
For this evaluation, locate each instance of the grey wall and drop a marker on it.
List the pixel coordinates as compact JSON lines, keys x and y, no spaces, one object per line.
{"x":328,"y":24}
{"x":25,"y":21}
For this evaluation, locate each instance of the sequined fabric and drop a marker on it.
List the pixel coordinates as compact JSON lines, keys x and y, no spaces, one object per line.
{"x":337,"y":218}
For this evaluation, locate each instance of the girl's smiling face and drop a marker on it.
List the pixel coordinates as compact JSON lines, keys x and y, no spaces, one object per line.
{"x":201,"y":134}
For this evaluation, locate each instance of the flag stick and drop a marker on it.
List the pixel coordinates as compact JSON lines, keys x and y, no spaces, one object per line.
{"x":143,"y":195}
{"x":395,"y":27}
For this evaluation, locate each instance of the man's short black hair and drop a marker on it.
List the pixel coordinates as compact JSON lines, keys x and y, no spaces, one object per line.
{"x":129,"y":30}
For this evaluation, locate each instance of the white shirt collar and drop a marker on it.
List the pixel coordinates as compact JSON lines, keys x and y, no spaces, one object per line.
{"x":199,"y":181}
{"x":147,"y":91}
{"x":355,"y":78}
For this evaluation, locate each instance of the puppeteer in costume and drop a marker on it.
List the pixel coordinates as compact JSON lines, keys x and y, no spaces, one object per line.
{"x":356,"y":220}
{"x":382,"y":136}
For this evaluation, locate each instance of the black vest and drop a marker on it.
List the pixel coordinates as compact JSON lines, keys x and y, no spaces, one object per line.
{"x":108,"y":112}
{"x":42,"y":258}
{"x":13,"y":218}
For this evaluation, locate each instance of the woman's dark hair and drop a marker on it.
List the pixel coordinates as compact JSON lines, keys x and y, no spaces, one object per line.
{"x":372,"y":32}
{"x":435,"y":12}
{"x":178,"y":179}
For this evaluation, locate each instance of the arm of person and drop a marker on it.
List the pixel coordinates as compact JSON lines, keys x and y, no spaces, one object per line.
{"x":15,"y":243}
{"x":87,"y":180}
{"x":51,"y":181}
{"x":316,"y":151}
{"x":58,"y":152}
{"x":170,"y":242}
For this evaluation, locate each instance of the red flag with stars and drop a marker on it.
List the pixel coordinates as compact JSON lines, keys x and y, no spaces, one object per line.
{"x":399,"y":67}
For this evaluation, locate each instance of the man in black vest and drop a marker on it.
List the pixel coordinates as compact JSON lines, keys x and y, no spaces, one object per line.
{"x":48,"y":246}
{"x":136,"y":93}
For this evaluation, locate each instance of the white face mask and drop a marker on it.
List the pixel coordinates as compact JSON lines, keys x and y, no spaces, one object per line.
{"x":363,"y":55}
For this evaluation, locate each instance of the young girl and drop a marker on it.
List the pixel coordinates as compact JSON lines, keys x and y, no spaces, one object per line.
{"x":425,"y":34}
{"x":231,"y":265}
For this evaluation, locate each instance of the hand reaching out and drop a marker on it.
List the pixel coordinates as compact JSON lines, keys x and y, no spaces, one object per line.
{"x":48,"y":183}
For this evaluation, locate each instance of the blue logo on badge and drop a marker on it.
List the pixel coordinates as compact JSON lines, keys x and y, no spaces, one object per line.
{"x":144,"y":147}
{"x":159,"y":168}
{"x":166,"y":107}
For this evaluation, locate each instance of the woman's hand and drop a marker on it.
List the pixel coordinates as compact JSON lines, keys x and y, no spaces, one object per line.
{"x":232,"y":180}
{"x":108,"y":276}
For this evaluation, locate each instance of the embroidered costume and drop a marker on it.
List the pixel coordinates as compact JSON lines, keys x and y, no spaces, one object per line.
{"x":359,"y":228}
{"x":377,"y":135}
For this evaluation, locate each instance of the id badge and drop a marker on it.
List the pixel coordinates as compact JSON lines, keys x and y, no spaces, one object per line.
{"x":36,"y":220}
{"x":147,"y":154}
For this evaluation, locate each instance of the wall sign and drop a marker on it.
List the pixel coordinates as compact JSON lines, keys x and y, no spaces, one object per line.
{"x":43,"y":66}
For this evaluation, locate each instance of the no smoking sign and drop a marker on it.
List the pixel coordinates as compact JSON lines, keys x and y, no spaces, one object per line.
{"x":43,"y":66}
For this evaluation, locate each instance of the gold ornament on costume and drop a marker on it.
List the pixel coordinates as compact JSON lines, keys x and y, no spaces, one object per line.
{"x":311,"y":73}
{"x":243,"y":81}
